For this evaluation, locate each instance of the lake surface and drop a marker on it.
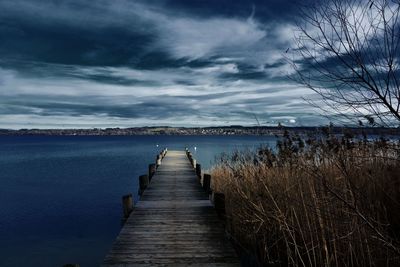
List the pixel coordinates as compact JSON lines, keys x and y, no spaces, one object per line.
{"x":60,"y":197}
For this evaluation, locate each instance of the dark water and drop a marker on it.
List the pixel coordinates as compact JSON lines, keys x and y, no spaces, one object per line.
{"x":60,"y":197}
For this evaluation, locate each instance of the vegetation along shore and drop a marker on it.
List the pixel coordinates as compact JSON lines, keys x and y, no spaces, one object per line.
{"x":318,"y":200}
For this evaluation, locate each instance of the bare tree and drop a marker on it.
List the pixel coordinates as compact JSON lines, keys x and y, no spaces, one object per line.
{"x":348,"y":53}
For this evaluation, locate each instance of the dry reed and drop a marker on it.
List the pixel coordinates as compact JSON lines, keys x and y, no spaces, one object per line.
{"x":317,"y":202}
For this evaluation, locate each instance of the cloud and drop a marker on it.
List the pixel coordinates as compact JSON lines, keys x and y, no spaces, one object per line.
{"x":123,"y":63}
{"x":82,"y":96}
{"x":190,"y":38}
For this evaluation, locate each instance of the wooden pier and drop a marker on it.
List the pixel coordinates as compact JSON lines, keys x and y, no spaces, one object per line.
{"x":173,"y":224}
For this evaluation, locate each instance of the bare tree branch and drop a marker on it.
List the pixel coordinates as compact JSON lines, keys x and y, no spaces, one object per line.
{"x":348,"y":53}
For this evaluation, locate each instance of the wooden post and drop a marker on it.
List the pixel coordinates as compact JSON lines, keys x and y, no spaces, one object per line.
{"x":194,"y":163}
{"x":127,"y":205}
{"x":152,"y":170}
{"x":143,"y":183}
{"x":219,"y":204}
{"x":198,"y":170}
{"x":207,"y":183}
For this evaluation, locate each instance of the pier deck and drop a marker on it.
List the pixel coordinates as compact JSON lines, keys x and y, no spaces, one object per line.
{"x":173,"y":224}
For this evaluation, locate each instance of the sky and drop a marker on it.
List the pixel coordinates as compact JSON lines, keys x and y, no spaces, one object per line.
{"x":128,"y":63}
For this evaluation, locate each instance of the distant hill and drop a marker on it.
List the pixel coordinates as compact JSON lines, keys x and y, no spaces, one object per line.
{"x":218,"y":130}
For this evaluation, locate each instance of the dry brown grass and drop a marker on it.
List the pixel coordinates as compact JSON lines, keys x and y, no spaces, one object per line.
{"x":320,"y":202}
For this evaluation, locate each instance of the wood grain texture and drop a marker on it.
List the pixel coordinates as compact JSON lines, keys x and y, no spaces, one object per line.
{"x":173,"y":224}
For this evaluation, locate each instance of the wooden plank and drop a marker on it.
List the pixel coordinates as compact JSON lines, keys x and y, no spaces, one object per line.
{"x":173,"y":224}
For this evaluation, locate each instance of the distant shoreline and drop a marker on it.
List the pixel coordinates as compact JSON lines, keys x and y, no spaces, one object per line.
{"x":223,"y":130}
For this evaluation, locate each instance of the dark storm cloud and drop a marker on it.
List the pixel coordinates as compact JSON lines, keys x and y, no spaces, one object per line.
{"x":125,"y":32}
{"x":146,"y":62}
{"x":71,"y":106}
{"x":69,"y":32}
{"x":31,"y":69}
{"x":264,"y":10}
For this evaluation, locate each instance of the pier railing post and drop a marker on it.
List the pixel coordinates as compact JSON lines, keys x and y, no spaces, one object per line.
{"x":193,"y":163}
{"x":127,"y":205}
{"x":219,"y":204}
{"x":198,"y":170}
{"x":152,"y":170}
{"x":143,"y":183}
{"x":207,"y":183}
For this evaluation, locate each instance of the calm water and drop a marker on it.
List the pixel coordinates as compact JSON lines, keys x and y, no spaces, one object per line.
{"x":60,"y":197}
